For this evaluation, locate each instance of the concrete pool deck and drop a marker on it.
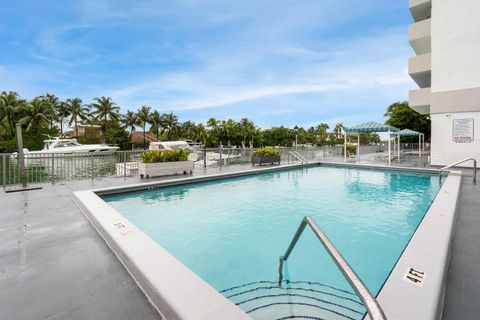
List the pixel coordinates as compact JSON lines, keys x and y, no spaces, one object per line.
{"x":54,"y":265}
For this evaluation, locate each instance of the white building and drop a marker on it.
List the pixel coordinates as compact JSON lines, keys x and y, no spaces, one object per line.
{"x":446,"y":38}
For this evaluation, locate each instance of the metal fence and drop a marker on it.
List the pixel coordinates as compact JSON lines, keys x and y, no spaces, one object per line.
{"x":53,"y":167}
{"x":57,"y":167}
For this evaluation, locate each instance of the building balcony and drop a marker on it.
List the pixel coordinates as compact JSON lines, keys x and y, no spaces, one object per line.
{"x":420,"y":36}
{"x":420,"y":9}
{"x":420,"y":70}
{"x":419,"y":100}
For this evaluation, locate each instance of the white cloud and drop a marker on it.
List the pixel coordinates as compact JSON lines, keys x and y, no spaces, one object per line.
{"x":213,"y":55}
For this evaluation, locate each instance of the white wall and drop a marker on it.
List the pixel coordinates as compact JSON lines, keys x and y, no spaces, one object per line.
{"x":455,"y":44}
{"x":444,"y":150}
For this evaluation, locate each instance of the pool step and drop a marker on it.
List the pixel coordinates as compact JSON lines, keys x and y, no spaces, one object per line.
{"x":265,"y":300}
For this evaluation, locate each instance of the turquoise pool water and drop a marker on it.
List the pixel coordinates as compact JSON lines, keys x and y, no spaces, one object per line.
{"x":231,"y":233}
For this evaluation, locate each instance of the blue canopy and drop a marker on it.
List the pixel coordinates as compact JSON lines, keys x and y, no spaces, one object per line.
{"x":408,"y":132}
{"x":371,"y":127}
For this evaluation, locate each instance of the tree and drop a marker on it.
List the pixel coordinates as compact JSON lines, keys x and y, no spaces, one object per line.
{"x":11,"y":105}
{"x":401,"y":116}
{"x":156,"y":122}
{"x":321,"y":131}
{"x":188,"y":130}
{"x":130,"y":120}
{"x":61,"y":113}
{"x":170,"y":123}
{"x":227,"y":130}
{"x":338,"y":130}
{"x":143,"y":116}
{"x":36,"y":115}
{"x":247,"y":130}
{"x":104,"y":110}
{"x":77,"y":112}
{"x":53,"y":104}
{"x":212,"y":123}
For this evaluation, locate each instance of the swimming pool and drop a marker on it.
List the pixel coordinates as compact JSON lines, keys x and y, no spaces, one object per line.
{"x":231,"y":233}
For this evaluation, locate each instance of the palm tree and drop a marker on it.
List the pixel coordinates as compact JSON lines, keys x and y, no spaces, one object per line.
{"x":247,"y":128}
{"x":212,"y":123}
{"x":11,"y":105}
{"x":170,"y":122}
{"x":205,"y":138}
{"x":143,"y":116}
{"x":188,"y":130}
{"x":36,"y":115}
{"x":322,"y":131}
{"x":104,"y":109}
{"x":338,"y":130}
{"x":227,"y":128}
{"x":199,"y":131}
{"x":130,"y":120}
{"x":156,"y":121}
{"x":52,"y":104}
{"x":77,"y":112}
{"x":61,"y":113}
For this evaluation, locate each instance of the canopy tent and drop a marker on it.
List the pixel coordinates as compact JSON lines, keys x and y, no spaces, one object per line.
{"x":369,"y":127}
{"x":407,"y":133}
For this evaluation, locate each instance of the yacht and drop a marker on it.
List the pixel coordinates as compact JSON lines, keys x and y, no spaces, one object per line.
{"x":197,"y":155}
{"x":68,"y":146}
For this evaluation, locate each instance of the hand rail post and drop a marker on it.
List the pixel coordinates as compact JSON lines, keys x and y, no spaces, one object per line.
{"x":124,"y":164}
{"x":21,"y":157}
{"x":221,"y":161}
{"x":474,"y":171}
{"x":4,"y":171}
{"x":91,"y":165}
{"x":457,"y":163}
{"x":371,"y":304}
{"x":53,"y":168}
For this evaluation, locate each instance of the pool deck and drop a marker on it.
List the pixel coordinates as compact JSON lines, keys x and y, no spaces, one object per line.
{"x":54,"y":265}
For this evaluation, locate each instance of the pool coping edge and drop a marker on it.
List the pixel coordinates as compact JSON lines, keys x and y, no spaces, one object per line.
{"x":141,"y":255}
{"x":429,"y":252}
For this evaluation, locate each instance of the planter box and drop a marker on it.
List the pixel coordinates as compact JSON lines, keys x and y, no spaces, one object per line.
{"x":265,"y":160}
{"x":158,"y":169}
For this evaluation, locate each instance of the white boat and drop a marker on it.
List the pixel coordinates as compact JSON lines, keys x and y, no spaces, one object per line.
{"x":170,"y":145}
{"x":174,"y":145}
{"x":196,"y":154}
{"x":69,"y":146}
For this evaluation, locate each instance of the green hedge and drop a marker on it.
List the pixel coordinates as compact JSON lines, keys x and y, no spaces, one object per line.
{"x":266,"y":152}
{"x":154,"y":156}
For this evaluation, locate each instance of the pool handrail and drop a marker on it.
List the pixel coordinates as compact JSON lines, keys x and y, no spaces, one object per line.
{"x":460,"y":162}
{"x":374,"y":310}
{"x":299,"y":157}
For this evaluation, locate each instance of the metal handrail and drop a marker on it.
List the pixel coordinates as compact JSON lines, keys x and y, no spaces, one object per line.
{"x":459,"y":162}
{"x":299,"y":156}
{"x":371,"y":304}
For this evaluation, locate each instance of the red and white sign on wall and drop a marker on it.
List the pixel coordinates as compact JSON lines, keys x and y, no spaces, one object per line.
{"x":463,"y":130}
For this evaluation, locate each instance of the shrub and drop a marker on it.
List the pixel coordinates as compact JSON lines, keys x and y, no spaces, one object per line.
{"x":154,"y":156}
{"x":266,"y":152}
{"x":351,"y":148}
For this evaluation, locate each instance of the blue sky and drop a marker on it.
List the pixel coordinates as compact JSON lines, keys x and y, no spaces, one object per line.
{"x":298,"y":62}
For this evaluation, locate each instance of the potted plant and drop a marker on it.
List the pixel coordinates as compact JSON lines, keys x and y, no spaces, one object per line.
{"x":266,"y":155}
{"x":155,"y":163}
